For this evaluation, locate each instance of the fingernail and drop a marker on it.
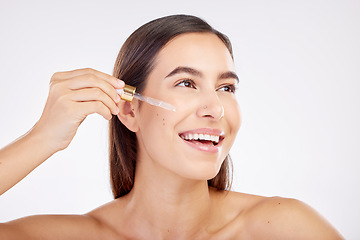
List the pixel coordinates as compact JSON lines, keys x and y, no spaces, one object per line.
{"x":121,"y":83}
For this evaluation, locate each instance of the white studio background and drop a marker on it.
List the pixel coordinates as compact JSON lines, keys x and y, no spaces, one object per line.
{"x":299,"y":67}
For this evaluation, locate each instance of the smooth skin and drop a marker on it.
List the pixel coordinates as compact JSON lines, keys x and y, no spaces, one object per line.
{"x":170,"y":198}
{"x":72,"y":96}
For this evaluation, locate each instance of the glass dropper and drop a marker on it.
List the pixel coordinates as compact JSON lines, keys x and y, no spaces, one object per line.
{"x":128,"y":93}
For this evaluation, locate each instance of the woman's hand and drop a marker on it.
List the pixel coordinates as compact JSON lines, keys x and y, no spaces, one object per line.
{"x":72,"y":96}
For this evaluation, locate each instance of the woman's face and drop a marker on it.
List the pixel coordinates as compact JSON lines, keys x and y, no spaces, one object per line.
{"x":195,"y":73}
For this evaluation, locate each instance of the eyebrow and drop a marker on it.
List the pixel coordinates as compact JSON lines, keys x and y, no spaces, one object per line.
{"x":189,"y":70}
{"x":197,"y":73}
{"x":229,"y":74}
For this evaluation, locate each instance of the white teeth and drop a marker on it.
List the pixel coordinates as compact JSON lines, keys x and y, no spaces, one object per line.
{"x":196,"y":136}
{"x":215,"y":138}
{"x":200,"y":136}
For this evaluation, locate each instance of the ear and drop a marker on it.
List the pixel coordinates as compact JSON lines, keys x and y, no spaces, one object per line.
{"x":127,"y":116}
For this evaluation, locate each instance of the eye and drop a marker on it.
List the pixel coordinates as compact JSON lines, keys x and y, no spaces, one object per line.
{"x":186,"y":83}
{"x":228,"y":88}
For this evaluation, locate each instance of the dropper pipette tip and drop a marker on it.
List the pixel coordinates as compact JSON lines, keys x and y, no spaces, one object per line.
{"x":155,"y":102}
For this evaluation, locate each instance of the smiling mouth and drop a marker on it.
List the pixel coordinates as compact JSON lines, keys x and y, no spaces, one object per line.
{"x":204,"y":139}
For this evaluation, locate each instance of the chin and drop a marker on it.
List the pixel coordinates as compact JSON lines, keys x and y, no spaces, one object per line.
{"x":203,"y":173}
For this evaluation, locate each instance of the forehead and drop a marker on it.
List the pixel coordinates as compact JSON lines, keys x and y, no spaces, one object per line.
{"x":202,"y":51}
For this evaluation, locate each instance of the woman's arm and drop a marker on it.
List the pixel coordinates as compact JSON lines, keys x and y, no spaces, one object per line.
{"x":72,"y":96}
{"x":56,"y":227}
{"x":19,"y":158}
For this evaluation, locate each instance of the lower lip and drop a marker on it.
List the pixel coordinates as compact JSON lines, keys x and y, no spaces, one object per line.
{"x":204,"y":147}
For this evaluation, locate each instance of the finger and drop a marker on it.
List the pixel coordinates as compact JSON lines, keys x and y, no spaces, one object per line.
{"x":91,"y":81}
{"x":116,"y":83}
{"x":94,"y":94}
{"x":91,"y":107}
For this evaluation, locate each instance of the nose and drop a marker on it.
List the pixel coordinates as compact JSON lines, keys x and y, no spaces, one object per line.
{"x":211,"y":107}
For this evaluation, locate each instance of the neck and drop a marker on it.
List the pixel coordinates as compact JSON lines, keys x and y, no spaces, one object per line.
{"x":167,"y":204}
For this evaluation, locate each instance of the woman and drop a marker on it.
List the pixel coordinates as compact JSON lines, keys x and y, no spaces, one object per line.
{"x":169,"y":170}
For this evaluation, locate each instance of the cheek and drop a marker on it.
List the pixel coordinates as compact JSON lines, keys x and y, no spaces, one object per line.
{"x":161,"y":119}
{"x":156,"y":133}
{"x":233,"y":115}
{"x":155,"y":124}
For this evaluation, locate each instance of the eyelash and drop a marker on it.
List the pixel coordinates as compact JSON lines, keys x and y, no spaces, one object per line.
{"x":184,"y":81}
{"x":231,"y":87}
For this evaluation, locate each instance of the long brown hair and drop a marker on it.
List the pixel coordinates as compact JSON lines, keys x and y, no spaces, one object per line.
{"x":133,"y":65}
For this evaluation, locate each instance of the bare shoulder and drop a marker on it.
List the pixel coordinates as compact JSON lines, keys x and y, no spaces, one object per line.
{"x":256,"y":217}
{"x":229,"y":209}
{"x":110,"y":212}
{"x":98,"y":224}
{"x":285,"y":218}
{"x":55,"y":227}
{"x":112,"y":217}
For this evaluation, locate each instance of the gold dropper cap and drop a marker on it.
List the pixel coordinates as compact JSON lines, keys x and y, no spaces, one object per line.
{"x":128,"y":93}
